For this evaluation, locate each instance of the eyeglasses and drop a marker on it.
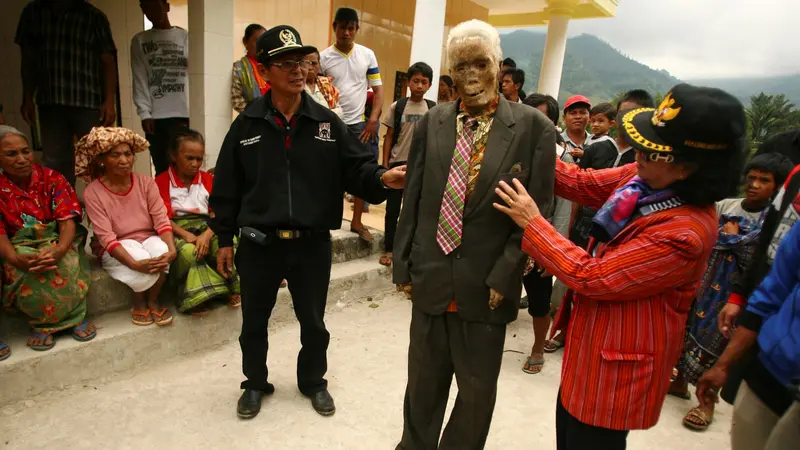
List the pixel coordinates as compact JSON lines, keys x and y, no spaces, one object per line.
{"x":288,"y":66}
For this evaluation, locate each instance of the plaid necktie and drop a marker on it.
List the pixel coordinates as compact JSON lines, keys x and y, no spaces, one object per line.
{"x":451,"y":214}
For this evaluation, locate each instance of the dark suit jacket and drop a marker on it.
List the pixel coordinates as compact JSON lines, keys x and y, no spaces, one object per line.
{"x":521,"y":137}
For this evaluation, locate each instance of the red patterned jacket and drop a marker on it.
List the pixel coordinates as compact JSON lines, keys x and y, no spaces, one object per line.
{"x":631,"y":300}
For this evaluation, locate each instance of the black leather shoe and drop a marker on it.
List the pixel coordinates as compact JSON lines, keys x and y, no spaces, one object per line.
{"x":323,"y":403}
{"x":250,"y":402}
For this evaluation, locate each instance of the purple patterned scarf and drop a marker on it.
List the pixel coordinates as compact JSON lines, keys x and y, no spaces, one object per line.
{"x":634,"y":199}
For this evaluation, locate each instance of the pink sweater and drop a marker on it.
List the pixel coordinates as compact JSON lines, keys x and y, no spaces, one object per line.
{"x":137,"y":214}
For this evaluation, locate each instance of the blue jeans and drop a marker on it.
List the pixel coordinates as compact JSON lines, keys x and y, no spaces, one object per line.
{"x":357,"y":128}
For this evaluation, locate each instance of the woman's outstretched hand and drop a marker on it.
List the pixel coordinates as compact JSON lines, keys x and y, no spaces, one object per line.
{"x":521,"y":207}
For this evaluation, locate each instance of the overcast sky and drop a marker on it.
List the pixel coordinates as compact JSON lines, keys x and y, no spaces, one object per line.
{"x":705,"y":38}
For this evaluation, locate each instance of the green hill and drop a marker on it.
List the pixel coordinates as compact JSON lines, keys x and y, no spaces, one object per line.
{"x":591,"y":67}
{"x":597,"y":70}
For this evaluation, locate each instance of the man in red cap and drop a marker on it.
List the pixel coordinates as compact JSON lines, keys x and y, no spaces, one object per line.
{"x":576,"y":119}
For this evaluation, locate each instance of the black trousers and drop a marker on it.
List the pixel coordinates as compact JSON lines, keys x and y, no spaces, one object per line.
{"x":441,"y":346}
{"x":394,"y":199}
{"x":572,"y":434}
{"x":160,"y":140}
{"x":59,"y":126}
{"x":539,"y":290}
{"x":305,"y":264}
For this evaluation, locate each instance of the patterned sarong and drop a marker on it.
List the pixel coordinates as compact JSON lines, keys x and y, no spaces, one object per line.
{"x":704,"y":343}
{"x":53,"y":301}
{"x":198,"y":280}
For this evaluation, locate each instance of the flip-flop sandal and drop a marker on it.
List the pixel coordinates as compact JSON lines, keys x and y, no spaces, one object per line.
{"x":43,"y":336}
{"x":699,"y":416}
{"x":4,"y":346}
{"x":363,"y":233}
{"x":530,"y":366}
{"x":141,"y":313}
{"x":235,"y":301}
{"x":552,"y":346}
{"x":158,"y":317}
{"x":680,"y":395}
{"x":82,"y":328}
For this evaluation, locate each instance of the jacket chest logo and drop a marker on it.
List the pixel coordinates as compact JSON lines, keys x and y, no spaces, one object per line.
{"x":250,"y":141}
{"x":324,"y":132}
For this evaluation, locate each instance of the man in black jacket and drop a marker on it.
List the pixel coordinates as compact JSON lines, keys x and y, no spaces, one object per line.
{"x":279,"y":178}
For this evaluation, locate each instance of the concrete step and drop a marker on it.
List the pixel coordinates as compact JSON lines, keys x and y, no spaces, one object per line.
{"x":122,"y":347}
{"x":107,"y":295}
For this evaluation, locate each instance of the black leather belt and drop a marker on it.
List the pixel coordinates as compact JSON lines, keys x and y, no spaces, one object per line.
{"x":292,"y":234}
{"x":264,"y":236}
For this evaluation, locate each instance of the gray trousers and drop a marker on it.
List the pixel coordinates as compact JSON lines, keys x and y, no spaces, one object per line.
{"x":61,"y":127}
{"x":441,"y":346}
{"x":756,"y":427}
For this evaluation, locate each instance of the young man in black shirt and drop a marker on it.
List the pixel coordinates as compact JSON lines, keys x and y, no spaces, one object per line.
{"x":279,"y":178}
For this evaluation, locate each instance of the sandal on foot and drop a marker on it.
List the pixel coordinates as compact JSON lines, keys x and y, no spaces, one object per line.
{"x":697,"y":420}
{"x":141,"y":317}
{"x":532,"y":366}
{"x":552,"y":346}
{"x":4,"y":355}
{"x":43,"y":337}
{"x":161,"y":318}
{"x":235,"y":301}
{"x":385,"y":260}
{"x":85,"y":328}
{"x":283,"y":283}
{"x":363,"y":233}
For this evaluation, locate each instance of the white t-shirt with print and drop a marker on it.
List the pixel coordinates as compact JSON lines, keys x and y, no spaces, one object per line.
{"x":352,"y":74}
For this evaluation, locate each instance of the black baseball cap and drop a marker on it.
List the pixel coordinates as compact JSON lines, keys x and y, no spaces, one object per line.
{"x":690,"y":119}
{"x":279,"y":40}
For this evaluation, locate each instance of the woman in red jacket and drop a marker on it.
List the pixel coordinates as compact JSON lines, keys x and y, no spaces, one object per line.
{"x":650,"y":244}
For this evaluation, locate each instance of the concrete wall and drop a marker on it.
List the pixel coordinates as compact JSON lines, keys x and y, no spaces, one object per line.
{"x":10,"y":80}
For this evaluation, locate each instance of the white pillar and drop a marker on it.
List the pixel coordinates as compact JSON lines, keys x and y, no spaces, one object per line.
{"x":553,"y":59}
{"x":426,"y":42}
{"x":210,"y":61}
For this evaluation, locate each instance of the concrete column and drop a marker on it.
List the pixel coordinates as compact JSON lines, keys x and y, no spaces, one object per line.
{"x":426,"y":42}
{"x":210,"y":61}
{"x":553,"y":59}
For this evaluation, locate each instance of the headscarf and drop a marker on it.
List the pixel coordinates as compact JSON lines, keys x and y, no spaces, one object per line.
{"x":100,"y":141}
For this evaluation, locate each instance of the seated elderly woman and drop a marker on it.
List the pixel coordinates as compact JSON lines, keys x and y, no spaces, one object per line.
{"x":635,"y":283}
{"x":185,"y":189}
{"x":128,"y":217}
{"x":45,"y":272}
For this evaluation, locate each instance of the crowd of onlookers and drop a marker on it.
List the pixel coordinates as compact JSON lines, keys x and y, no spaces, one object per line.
{"x":149,"y":233}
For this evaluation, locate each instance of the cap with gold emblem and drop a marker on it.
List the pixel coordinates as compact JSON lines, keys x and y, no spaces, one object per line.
{"x":279,"y":40}
{"x":689,"y":119}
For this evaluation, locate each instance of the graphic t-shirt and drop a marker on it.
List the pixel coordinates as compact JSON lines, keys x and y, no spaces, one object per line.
{"x":159,"y":64}
{"x":412,"y":114}
{"x":787,"y":220}
{"x":734,"y":207}
{"x":352,"y":74}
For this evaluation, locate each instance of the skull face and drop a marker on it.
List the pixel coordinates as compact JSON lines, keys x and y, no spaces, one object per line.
{"x":474,"y":72}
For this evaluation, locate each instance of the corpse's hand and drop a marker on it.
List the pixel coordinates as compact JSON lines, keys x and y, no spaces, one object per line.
{"x":394,"y":178}
{"x":495,"y":298}
{"x":521,"y":207}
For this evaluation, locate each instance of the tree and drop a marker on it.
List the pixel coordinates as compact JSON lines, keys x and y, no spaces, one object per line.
{"x":767,"y":115}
